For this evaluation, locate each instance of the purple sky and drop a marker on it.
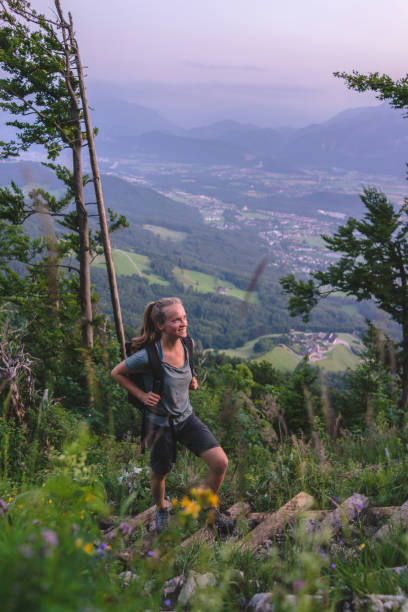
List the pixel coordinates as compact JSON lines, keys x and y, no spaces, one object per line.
{"x":269,"y":62}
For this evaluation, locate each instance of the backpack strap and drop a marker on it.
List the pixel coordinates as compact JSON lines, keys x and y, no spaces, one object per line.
{"x":188,"y":343}
{"x":156,"y":367}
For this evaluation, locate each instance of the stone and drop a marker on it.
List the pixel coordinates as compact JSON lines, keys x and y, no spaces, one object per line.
{"x":195,"y":581}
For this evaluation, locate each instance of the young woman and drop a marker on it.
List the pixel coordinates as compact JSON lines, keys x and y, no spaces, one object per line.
{"x":170,"y":416}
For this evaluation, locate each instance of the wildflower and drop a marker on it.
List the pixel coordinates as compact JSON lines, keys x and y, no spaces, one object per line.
{"x":333,"y":566}
{"x":26,"y":551}
{"x":89,"y":497}
{"x":3,"y":507}
{"x":50,"y":537}
{"x":190,"y":507}
{"x":322,"y":554}
{"x":336,"y":499}
{"x":362,"y":545}
{"x":10,"y":499}
{"x":36,"y":522}
{"x":243,"y":601}
{"x":102,"y":549}
{"x":88,"y":548}
{"x":111,"y":535}
{"x":50,"y":501}
{"x":174,"y":502}
{"x":341,"y":543}
{"x":20,"y":506}
{"x":79,"y":542}
{"x":167,"y":602}
{"x":125,"y":528}
{"x":150,"y":553}
{"x":298,"y":585}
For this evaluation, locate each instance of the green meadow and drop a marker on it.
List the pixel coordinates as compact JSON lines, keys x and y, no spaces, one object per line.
{"x":128,"y":263}
{"x":205,"y":283}
{"x":164,"y":233}
{"x":338,"y":359}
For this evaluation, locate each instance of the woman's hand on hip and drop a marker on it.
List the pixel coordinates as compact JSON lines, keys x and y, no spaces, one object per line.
{"x":150,"y":398}
{"x":193,"y":384}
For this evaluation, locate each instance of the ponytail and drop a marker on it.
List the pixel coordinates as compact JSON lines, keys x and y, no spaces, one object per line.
{"x":153,"y":314}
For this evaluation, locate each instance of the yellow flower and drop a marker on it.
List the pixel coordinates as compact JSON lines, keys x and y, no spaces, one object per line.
{"x":10,"y":499}
{"x":190,"y":507}
{"x":88,"y":548}
{"x":204,"y":496}
{"x":20,"y":506}
{"x":89,"y":497}
{"x":79,"y":542}
{"x":174,"y":502}
{"x":361,"y":546}
{"x":50,"y":501}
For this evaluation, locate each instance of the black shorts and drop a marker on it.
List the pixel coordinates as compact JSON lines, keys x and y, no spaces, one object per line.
{"x":192,"y":433}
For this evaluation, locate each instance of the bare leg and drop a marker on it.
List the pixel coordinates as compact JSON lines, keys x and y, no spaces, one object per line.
{"x":217,"y":462}
{"x":158,"y":486}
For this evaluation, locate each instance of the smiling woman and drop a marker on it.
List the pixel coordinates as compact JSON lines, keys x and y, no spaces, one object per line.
{"x":166,"y":403}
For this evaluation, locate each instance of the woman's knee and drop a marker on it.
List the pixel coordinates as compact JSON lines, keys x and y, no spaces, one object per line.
{"x":218,"y":461}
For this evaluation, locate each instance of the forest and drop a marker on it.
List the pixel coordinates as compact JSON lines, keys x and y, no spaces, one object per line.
{"x":316,"y":484}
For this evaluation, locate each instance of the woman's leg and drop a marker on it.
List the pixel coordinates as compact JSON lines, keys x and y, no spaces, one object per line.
{"x":217,"y":461}
{"x":158,"y":486}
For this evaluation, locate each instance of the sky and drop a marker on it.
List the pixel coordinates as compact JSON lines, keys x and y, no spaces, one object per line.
{"x":266,"y":62}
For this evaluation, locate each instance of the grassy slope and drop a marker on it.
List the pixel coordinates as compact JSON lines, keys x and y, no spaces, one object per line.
{"x":165,"y":233}
{"x":338,"y":359}
{"x":128,"y":263}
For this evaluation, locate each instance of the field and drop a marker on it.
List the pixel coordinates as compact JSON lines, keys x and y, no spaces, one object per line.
{"x":338,"y":359}
{"x":204,"y":283}
{"x":128,"y":263}
{"x":165,"y":234}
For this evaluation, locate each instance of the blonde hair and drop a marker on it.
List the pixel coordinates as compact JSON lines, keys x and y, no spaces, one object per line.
{"x":153,"y":314}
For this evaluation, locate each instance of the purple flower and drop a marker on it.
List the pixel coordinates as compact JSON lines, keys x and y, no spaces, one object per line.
{"x":333,"y":566}
{"x":298,"y":585}
{"x":36,"y":522}
{"x":243,"y":601}
{"x":3,"y":507}
{"x":50,"y":537}
{"x":336,"y":499}
{"x":125,"y":528}
{"x":322,"y":554}
{"x":341,"y":543}
{"x":167,"y":602}
{"x":26,"y":551}
{"x":313,"y":522}
{"x":150,"y":553}
{"x":101,"y":550}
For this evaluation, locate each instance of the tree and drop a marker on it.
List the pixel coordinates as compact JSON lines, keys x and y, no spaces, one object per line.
{"x":373,"y":265}
{"x":46,"y":92}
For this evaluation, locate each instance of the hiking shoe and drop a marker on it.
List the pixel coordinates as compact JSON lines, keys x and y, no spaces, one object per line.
{"x":162,"y":519}
{"x":223,"y":523}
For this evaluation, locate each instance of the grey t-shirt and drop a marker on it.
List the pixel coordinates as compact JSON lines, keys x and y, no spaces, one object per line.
{"x":175,"y":400}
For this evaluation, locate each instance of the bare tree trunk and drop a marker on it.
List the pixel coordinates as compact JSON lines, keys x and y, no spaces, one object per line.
{"x":78,"y":189}
{"x":99,"y":198}
{"x":84,"y":251}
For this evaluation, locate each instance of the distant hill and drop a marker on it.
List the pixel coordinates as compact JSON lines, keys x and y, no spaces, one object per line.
{"x":370,"y":139}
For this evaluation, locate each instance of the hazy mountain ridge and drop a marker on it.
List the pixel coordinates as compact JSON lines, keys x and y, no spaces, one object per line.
{"x":371,"y":139}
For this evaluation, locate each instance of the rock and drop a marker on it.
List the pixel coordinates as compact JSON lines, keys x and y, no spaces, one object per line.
{"x":195,"y":581}
{"x":173,"y":586}
{"x":262,"y":602}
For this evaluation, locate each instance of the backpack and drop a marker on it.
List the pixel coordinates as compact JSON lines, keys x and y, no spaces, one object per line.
{"x":157,"y":369}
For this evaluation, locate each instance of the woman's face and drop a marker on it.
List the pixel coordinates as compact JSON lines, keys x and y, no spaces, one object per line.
{"x":175,"y":324}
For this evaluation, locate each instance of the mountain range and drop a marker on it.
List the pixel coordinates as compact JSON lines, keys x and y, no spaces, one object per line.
{"x":369,"y":139}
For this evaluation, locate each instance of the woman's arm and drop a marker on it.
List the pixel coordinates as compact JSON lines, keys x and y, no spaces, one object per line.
{"x":121,"y":374}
